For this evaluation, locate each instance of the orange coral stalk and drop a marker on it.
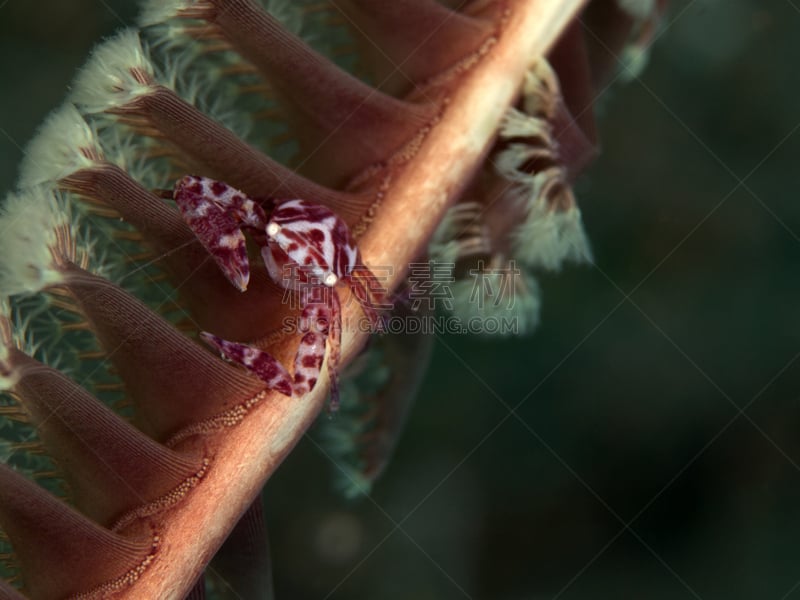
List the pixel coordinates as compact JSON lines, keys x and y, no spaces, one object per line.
{"x":246,"y":455}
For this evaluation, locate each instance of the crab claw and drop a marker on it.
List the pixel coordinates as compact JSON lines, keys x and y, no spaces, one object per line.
{"x":216,"y":228}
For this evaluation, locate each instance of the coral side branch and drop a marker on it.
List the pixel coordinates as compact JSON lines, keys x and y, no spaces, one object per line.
{"x":344,"y":125}
{"x":105,"y":184}
{"x":111,"y":467}
{"x":218,"y":152}
{"x":418,"y":38}
{"x":76,"y":554}
{"x":170,"y":378}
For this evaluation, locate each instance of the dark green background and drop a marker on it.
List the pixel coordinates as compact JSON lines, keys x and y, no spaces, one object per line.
{"x":654,"y":447}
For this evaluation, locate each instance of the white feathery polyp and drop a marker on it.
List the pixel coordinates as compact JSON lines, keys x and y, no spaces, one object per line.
{"x":491,"y":298}
{"x":516,"y":124}
{"x":540,"y":89}
{"x":548,"y":238}
{"x":65,"y":143}
{"x":638,"y":9}
{"x":633,"y":61}
{"x":181,"y":73}
{"x":154,"y":12}
{"x":28,"y":224}
{"x":455,"y":237}
{"x":443,"y":247}
{"x":509,"y":162}
{"x":107,"y":80}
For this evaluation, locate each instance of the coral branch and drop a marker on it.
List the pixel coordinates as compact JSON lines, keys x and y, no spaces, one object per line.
{"x":111,"y":467}
{"x":108,"y":185}
{"x":172,"y":380}
{"x":418,"y":38}
{"x":344,"y":125}
{"x":249,"y":452}
{"x":76,"y":554}
{"x":218,"y":153}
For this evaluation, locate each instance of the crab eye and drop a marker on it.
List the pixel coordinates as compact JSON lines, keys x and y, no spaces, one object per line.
{"x":330,"y":279}
{"x":273,"y":229}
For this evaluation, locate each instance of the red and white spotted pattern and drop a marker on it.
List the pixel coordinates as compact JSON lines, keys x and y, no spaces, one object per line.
{"x":216,"y":213}
{"x":306,"y":248}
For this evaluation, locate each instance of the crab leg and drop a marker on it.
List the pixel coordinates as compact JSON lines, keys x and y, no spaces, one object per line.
{"x":316,"y":322}
{"x":320,"y":321}
{"x":261,"y":363}
{"x":216,"y":213}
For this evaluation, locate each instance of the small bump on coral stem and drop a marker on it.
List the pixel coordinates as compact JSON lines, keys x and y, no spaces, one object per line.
{"x":109,"y":185}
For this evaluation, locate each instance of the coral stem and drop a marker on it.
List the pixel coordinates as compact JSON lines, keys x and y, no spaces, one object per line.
{"x":247,"y":454}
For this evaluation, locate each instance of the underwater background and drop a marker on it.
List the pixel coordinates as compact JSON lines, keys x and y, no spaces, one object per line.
{"x":644,"y":442}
